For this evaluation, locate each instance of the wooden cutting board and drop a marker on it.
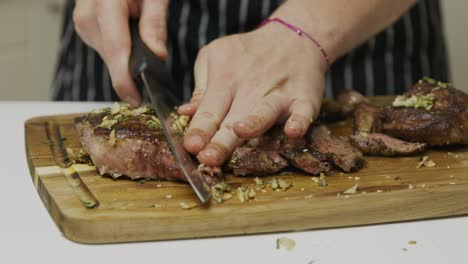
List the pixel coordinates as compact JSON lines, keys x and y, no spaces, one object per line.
{"x":389,"y":190}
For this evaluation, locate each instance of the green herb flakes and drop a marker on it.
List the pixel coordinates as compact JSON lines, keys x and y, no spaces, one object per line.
{"x":415,"y":101}
{"x":286,"y":243}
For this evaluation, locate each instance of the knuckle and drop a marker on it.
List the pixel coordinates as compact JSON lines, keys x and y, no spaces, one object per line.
{"x":81,"y":18}
{"x":209,"y":116}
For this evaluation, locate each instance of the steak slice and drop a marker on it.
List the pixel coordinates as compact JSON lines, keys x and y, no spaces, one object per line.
{"x":341,"y":153}
{"x":259,"y":156}
{"x":297,"y":152}
{"x":342,"y":106}
{"x":382,"y":145}
{"x":130,"y":144}
{"x":367,"y":118}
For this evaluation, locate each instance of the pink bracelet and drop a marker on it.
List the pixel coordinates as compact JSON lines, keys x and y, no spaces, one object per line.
{"x":300,"y":32}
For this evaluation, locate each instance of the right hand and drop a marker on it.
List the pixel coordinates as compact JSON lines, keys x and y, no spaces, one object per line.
{"x":104,"y":25}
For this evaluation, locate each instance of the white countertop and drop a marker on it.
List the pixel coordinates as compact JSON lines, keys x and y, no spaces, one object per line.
{"x":27,"y":233}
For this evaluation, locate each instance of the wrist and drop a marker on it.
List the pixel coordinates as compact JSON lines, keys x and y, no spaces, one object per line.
{"x":296,"y":12}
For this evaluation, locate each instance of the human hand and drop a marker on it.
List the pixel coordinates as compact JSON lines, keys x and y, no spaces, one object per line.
{"x":246,"y":83}
{"x":104,"y":25}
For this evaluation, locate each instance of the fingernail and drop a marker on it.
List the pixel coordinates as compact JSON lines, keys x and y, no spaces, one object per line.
{"x":197,"y":142}
{"x":211,"y":153}
{"x":247,"y":125}
{"x":295,"y":126}
{"x":132,"y":101}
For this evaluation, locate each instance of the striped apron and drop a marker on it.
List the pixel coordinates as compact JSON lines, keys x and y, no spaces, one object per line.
{"x":388,"y":63}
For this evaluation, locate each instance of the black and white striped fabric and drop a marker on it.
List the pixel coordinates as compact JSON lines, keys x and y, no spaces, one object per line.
{"x":387,"y":64}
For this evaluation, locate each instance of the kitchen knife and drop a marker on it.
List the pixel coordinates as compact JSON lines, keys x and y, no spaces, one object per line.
{"x":150,"y":72}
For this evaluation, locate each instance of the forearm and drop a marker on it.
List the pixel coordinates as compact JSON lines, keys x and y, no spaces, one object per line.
{"x":340,"y":25}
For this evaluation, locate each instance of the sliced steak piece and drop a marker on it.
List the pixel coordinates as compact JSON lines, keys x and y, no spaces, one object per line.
{"x":341,"y":153}
{"x":297,"y":152}
{"x":342,"y":107}
{"x":259,"y":156}
{"x":367,"y":118}
{"x":382,"y":145}
{"x":129,"y":144}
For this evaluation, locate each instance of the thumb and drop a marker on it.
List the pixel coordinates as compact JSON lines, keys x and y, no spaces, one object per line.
{"x":153,"y":26}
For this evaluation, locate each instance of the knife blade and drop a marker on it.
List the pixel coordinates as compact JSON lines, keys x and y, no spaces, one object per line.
{"x":151,"y":73}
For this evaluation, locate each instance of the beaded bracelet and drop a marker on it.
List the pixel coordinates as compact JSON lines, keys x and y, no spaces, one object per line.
{"x":300,"y":32}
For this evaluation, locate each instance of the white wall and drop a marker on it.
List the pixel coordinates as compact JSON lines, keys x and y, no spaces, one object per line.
{"x":456,"y":24}
{"x":30,"y":32}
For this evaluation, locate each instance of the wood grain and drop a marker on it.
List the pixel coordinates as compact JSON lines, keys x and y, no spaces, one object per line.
{"x":132,"y":211}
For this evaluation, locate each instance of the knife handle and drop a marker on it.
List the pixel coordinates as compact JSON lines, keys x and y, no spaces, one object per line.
{"x":141,"y":57}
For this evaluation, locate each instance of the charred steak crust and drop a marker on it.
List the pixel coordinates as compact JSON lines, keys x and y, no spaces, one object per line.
{"x":341,"y":153}
{"x":297,"y":152}
{"x":342,"y":106}
{"x":258,"y":156}
{"x":367,"y":118}
{"x":383,"y":145}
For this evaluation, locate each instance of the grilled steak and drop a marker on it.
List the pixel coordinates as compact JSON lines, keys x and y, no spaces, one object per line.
{"x":367,"y":118}
{"x":339,"y":151}
{"x":383,"y":145}
{"x":342,"y":106}
{"x":259,"y":156}
{"x":435,"y":113}
{"x":297,"y":152}
{"x":130,"y":142}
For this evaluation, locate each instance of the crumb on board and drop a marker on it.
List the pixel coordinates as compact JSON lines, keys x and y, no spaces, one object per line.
{"x":245,"y":194}
{"x":424,"y":161}
{"x":410,"y":186}
{"x":278,"y":184}
{"x":352,"y":189}
{"x":188,"y":205}
{"x":286,"y":243}
{"x":321,"y":181}
{"x":380,"y":191}
{"x":168,"y":196}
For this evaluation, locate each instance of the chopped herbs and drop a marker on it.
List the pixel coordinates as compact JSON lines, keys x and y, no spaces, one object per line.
{"x":220,"y":192}
{"x":141,"y":181}
{"x":428,"y":80}
{"x":352,"y":190}
{"x":153,"y":123}
{"x":79,"y":156}
{"x":107,"y":123}
{"x":188,"y":205}
{"x":245,"y":194}
{"x":89,"y":204}
{"x":321,"y":181}
{"x":280,"y":184}
{"x":412,"y":242}
{"x":180,"y":123}
{"x":415,"y":101}
{"x":286,"y":243}
{"x":259,"y":183}
{"x":112,"y":137}
{"x":426,"y":162}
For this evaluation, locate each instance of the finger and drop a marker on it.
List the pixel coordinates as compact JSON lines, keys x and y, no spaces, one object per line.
{"x":201,"y":80}
{"x":221,"y":146}
{"x":211,"y":112}
{"x":263,"y":116}
{"x":113,"y":19}
{"x":302,"y":114}
{"x":153,"y":26}
{"x":86,"y":25}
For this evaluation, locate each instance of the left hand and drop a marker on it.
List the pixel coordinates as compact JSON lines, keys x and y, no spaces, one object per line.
{"x":246,"y":83}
